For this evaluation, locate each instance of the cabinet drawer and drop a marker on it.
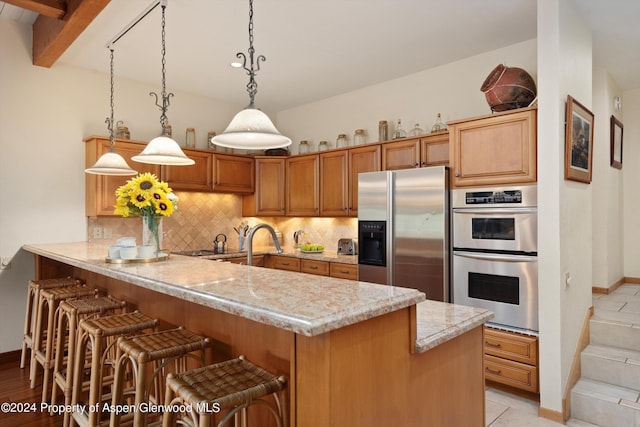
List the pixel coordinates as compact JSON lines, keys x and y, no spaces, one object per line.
{"x":512,"y":346}
{"x":286,"y":263}
{"x":257,"y":261}
{"x":514,"y":374}
{"x":314,"y":267}
{"x":344,"y":271}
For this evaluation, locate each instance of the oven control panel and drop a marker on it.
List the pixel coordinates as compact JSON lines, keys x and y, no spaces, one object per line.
{"x":493,"y":197}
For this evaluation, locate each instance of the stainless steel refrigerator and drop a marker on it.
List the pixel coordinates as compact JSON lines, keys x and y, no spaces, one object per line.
{"x":403,"y":229}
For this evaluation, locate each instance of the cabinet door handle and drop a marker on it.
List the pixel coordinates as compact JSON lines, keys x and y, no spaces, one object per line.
{"x":493,"y":344}
{"x":313,"y":267}
{"x":285,"y":263}
{"x":493,"y":371}
{"x":457,"y":175}
{"x":416,"y":164}
{"x":344,"y":271}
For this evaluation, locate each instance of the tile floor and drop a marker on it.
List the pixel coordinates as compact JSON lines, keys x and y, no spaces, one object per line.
{"x":503,"y":409}
{"x":507,"y":410}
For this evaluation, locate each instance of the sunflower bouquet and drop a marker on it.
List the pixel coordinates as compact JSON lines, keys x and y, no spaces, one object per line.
{"x":149,"y":198}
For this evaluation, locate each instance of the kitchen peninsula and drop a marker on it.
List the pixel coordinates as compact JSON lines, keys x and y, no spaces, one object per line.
{"x":355,"y":353}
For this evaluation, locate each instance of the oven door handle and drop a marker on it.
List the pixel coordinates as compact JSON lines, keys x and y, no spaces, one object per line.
{"x":501,"y":211}
{"x":496,"y":257}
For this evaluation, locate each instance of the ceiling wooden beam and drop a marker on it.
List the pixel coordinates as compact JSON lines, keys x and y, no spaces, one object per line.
{"x":52,"y":37}
{"x":52,"y":8}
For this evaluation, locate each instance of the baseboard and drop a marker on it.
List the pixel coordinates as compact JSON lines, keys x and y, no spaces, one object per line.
{"x":613,"y":287}
{"x":634,"y":280}
{"x":552,"y":415}
{"x":10,"y":356}
{"x":575,"y":372}
{"x":535,"y":397}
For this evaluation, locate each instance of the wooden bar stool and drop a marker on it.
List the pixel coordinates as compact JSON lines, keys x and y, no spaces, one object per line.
{"x":70,"y":312}
{"x":163,"y":352}
{"x":99,"y":337}
{"x":233,"y":385}
{"x":33,"y":293}
{"x":48,"y":303}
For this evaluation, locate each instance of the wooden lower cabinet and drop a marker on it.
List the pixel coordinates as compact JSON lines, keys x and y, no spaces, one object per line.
{"x":311,"y":266}
{"x":283,"y":263}
{"x":343,"y":271}
{"x":257,"y":261}
{"x":320,"y":268}
{"x":511,"y":359}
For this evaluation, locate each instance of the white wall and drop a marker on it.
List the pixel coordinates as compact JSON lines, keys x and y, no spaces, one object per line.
{"x":608,"y":236}
{"x":631,"y":178}
{"x":44,"y":116}
{"x":452,"y":89}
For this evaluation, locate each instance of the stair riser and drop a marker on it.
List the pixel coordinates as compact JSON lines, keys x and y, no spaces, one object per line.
{"x":602,"y":412}
{"x":610,"y":371}
{"x":613,"y":335}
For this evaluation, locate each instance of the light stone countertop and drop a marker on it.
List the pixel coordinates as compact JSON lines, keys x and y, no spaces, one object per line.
{"x":306,"y":304}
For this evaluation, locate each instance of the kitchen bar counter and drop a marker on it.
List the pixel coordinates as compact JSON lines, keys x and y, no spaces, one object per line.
{"x":286,"y":300}
{"x":355,"y":353}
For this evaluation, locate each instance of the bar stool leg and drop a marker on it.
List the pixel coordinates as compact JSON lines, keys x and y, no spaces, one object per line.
{"x":28,"y":326}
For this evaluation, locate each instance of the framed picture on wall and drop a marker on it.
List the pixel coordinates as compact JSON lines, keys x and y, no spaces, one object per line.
{"x":616,"y":143}
{"x":578,"y":159}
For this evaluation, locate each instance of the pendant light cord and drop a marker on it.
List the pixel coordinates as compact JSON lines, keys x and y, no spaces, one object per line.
{"x":164,"y":95}
{"x":252,"y":86}
{"x":109,"y":120}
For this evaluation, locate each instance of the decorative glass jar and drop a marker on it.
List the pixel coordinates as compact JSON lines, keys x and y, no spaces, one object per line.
{"x":303,"y":147}
{"x":323,"y":146}
{"x":383,"y":130}
{"x":342,"y":141}
{"x":359,"y":137}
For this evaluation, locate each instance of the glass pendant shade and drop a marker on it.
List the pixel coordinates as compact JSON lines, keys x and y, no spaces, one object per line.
{"x":251,"y":129}
{"x":111,"y":164}
{"x":163,"y":150}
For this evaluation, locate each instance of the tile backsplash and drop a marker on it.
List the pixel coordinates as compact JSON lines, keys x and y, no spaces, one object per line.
{"x":202,"y":216}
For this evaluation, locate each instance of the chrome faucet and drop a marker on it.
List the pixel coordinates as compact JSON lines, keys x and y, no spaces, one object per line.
{"x":250,"y":240}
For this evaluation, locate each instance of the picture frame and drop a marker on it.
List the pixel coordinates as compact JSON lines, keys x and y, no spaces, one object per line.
{"x":578,"y":163}
{"x":616,"y":142}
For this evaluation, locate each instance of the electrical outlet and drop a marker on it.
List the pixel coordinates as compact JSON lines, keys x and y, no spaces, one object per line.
{"x":5,"y":263}
{"x":107,"y":233}
{"x":97,"y":232}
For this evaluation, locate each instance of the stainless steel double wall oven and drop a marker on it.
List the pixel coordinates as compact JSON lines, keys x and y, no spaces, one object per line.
{"x":495,"y":253}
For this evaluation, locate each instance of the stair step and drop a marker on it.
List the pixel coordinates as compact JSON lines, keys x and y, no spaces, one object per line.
{"x":611,"y":365}
{"x":616,"y":329}
{"x":604,"y":404}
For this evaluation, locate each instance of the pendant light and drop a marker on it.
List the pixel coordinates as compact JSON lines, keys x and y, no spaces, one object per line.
{"x":251,"y":129}
{"x":163,"y":150}
{"x":111,"y":163}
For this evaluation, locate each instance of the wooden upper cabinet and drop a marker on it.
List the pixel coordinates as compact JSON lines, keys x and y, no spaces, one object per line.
{"x":302,"y":185}
{"x":233,"y":174}
{"x":334,"y":183}
{"x":361,"y":159}
{"x":269,"y":197}
{"x":500,"y":148}
{"x":196,"y":177}
{"x":434,"y":150}
{"x":429,"y":150}
{"x":401,"y":154}
{"x":100,"y":190}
